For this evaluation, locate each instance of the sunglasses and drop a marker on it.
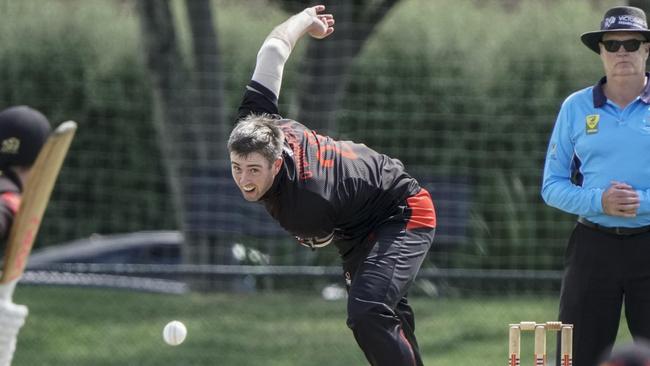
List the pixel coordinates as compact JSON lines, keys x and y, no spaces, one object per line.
{"x":630,"y":45}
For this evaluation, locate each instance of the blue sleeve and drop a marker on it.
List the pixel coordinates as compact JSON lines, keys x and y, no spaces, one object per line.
{"x":557,"y":188}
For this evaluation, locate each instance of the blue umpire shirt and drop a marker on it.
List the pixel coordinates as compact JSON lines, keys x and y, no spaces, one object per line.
{"x":598,"y":142}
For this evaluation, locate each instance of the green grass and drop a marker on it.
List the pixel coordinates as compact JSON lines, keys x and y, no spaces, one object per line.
{"x":75,"y":326}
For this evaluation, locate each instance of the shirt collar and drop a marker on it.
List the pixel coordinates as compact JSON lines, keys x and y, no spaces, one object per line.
{"x":599,"y":94}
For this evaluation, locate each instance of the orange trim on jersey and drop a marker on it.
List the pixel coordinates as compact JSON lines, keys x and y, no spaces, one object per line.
{"x":423,"y":214}
{"x":12,"y":200}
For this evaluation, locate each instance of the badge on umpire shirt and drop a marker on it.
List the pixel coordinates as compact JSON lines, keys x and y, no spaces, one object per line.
{"x":592,"y":123}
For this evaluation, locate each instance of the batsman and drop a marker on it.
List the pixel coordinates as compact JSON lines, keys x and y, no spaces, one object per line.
{"x":326,"y":191}
{"x":23,"y":132}
{"x":30,"y":160}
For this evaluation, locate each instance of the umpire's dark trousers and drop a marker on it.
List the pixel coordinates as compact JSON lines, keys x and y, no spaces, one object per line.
{"x":603,"y":271}
{"x":379,"y":272}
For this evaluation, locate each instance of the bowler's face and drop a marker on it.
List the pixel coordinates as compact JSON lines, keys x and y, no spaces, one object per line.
{"x":253,"y":174}
{"x":622,"y":62}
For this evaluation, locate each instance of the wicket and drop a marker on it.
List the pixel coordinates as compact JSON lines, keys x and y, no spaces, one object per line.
{"x":540,"y":329}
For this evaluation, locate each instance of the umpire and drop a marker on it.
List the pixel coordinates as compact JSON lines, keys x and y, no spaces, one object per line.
{"x":598,"y":167}
{"x":23,"y":131}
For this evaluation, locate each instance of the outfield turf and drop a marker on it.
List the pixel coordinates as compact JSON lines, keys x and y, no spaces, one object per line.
{"x":76,"y":326}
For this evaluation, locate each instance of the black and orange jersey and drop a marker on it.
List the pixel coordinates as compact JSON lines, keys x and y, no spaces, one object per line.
{"x":9,"y":202}
{"x":326,"y":188}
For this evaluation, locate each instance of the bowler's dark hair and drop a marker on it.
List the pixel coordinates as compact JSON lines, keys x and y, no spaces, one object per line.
{"x":257,"y":133}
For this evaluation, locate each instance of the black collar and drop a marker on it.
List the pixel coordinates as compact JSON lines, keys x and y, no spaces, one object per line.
{"x":278,"y":181}
{"x":599,"y":93}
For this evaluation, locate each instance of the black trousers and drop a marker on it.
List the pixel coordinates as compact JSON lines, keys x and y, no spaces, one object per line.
{"x":602,"y":272}
{"x":379,"y":273}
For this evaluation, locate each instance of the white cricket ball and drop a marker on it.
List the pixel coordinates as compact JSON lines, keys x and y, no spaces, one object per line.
{"x":174,"y":333}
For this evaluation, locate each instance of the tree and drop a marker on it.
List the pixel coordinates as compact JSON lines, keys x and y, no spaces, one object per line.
{"x":189,"y":104}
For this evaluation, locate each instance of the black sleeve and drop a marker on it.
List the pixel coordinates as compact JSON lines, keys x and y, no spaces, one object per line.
{"x":6,"y":217}
{"x":258,"y":99}
{"x":9,"y":201}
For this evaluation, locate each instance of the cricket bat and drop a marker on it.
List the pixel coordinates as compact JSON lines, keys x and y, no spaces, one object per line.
{"x":35,"y":196}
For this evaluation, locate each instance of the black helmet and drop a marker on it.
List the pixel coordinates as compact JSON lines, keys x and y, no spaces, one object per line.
{"x":23,"y":131}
